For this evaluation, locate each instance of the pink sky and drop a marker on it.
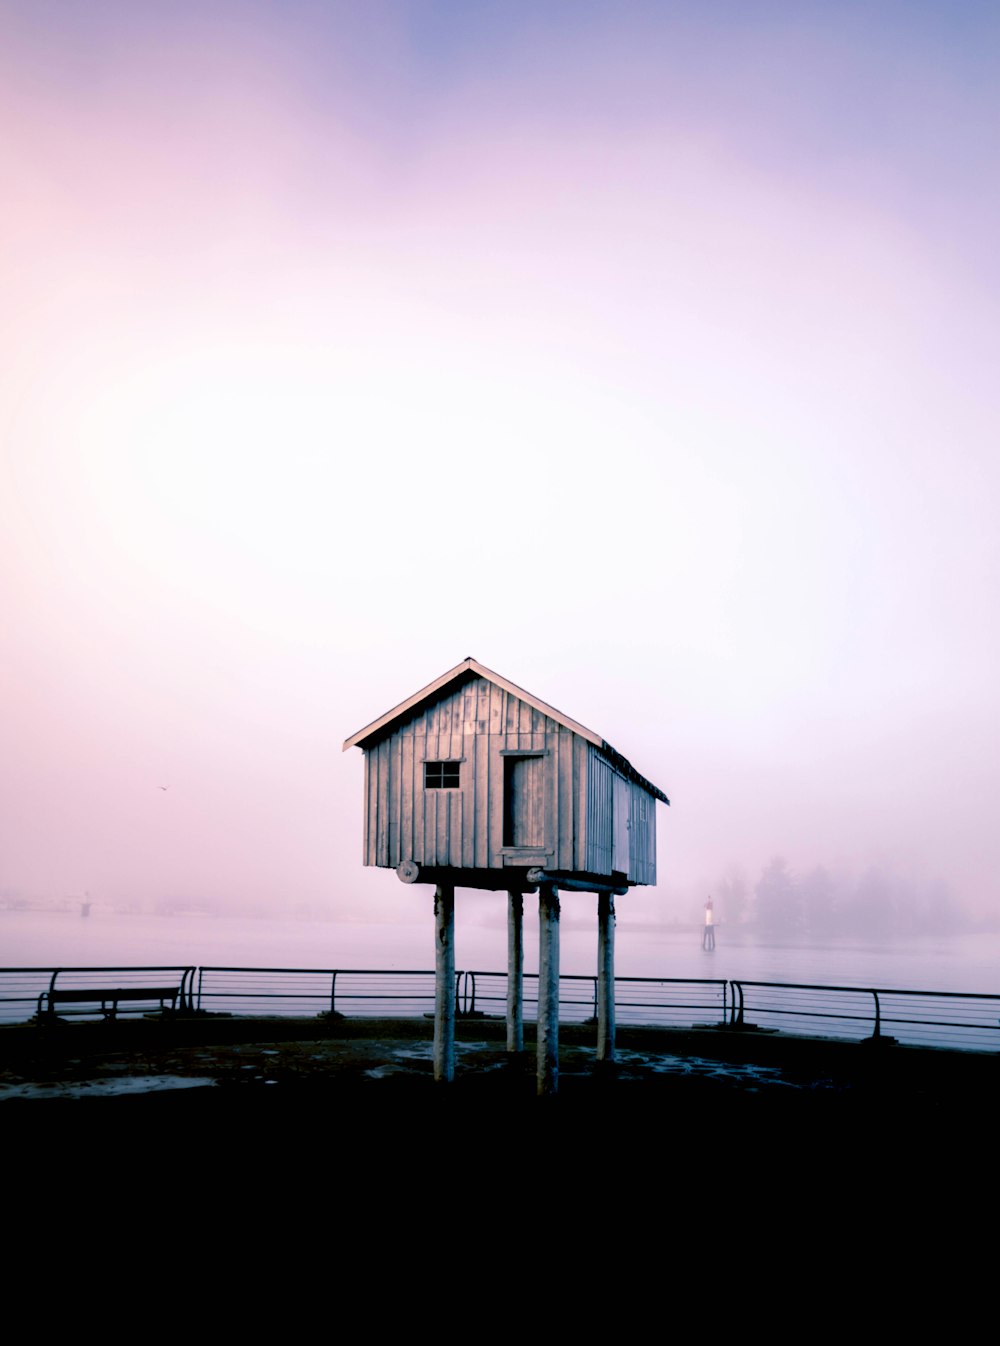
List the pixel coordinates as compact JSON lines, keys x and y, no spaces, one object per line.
{"x":644,"y":352}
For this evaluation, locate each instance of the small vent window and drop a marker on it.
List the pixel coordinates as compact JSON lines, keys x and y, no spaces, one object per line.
{"x":441,"y":775}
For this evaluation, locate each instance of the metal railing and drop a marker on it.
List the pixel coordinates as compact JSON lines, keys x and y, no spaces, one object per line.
{"x":919,"y":1018}
{"x":666,"y":1001}
{"x":363,"y":992}
{"x":926,"y":1018}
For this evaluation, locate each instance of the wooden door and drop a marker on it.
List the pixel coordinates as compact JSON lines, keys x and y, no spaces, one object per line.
{"x":620,"y":845}
{"x":524,"y":797}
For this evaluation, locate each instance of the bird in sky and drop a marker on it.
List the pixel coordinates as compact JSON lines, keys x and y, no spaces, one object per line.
{"x":163,"y":787}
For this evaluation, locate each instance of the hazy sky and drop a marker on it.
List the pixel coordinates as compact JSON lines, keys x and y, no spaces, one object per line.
{"x":644,"y":351}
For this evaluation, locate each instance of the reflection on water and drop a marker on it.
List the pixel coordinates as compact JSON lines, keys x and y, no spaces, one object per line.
{"x":59,"y":939}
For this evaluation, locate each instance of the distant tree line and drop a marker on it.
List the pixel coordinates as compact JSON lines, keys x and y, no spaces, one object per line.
{"x":821,"y":904}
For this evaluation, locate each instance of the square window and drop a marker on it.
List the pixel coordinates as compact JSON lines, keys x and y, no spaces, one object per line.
{"x":441,"y":775}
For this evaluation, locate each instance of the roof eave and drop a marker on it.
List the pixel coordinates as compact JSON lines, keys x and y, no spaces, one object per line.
{"x":471,"y":667}
{"x":468,"y":667}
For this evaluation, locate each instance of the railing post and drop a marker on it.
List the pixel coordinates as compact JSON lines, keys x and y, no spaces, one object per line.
{"x":333,"y":993}
{"x":52,"y":986}
{"x":877,"y":1033}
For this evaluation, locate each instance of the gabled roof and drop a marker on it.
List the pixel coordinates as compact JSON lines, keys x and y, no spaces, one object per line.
{"x":469,"y":668}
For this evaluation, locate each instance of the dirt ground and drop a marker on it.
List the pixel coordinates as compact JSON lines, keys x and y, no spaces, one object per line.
{"x":208,"y":1062}
{"x":328,"y":1142}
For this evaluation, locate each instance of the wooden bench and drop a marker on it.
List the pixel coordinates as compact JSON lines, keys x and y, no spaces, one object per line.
{"x":109,"y":998}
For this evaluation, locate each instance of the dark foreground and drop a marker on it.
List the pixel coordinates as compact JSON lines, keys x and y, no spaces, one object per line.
{"x":280,"y":1166}
{"x":671,"y":1087}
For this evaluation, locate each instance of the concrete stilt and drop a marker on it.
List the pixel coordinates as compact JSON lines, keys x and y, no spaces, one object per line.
{"x":548,"y":988}
{"x":444,"y":982}
{"x":605,"y":977}
{"x":515,"y":972}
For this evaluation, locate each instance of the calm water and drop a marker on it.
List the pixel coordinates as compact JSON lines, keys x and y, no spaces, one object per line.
{"x":51,"y":939}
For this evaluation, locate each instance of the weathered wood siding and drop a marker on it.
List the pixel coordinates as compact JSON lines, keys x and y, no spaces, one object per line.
{"x":621,"y":823}
{"x":574,"y":810}
{"x":481,"y":726}
{"x":642,"y":835}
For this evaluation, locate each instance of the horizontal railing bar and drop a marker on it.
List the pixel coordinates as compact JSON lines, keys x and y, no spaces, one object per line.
{"x":585,"y":976}
{"x":946,"y":1023}
{"x":865,"y":990}
{"x":812,"y":1014}
{"x":299,"y":995}
{"x":666,"y":1004}
{"x":326,"y":971}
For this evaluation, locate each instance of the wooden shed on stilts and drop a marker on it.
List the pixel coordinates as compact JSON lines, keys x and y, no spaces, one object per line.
{"x":473,"y":782}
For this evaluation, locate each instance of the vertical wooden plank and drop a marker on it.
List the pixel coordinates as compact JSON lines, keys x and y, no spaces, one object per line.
{"x":482,"y":706}
{"x":367,"y":846}
{"x":395,"y":796}
{"x":652,"y":847}
{"x":457,"y":724}
{"x":580,"y":813}
{"x":591,"y":807}
{"x":430,"y":826}
{"x":419,"y":810}
{"x":432,"y":717}
{"x":600,"y":813}
{"x":549,"y":821}
{"x":495,"y":801}
{"x":443,"y":821}
{"x":562,"y":750}
{"x":642,"y":809}
{"x":524,"y":720}
{"x":406,"y":799}
{"x":511,"y":721}
{"x":456,"y":840}
{"x":620,"y":845}
{"x":382,"y":843}
{"x":373,"y":804}
{"x":496,"y":708}
{"x":469,"y":802}
{"x":445,"y":708}
{"x":480,"y":821}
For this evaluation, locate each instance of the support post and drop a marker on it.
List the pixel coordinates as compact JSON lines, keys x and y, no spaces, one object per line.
{"x":444,"y":982}
{"x":515,"y":972}
{"x":548,"y":989}
{"x":605,"y":977}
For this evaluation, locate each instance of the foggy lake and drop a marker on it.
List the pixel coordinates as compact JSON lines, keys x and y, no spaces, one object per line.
{"x":960,"y":962}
